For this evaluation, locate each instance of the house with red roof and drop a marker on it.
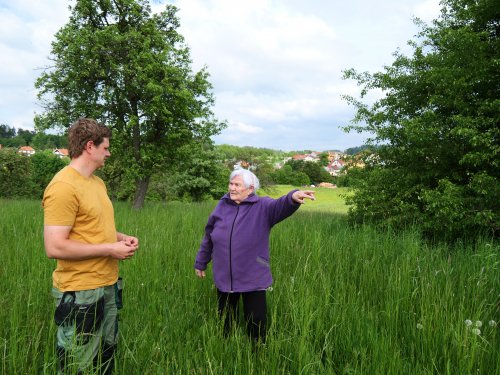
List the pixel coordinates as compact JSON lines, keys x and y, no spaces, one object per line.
{"x":61,"y":152}
{"x":335,"y":167}
{"x":26,"y":150}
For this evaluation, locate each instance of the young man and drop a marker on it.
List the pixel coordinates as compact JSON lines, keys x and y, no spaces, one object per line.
{"x":79,"y":231}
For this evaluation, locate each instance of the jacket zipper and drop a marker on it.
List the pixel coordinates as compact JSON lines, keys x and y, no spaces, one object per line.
{"x":231,"y":248}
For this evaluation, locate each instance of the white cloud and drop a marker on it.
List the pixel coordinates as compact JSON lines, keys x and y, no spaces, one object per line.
{"x":427,"y":10}
{"x":244,"y":128}
{"x":276,"y":66}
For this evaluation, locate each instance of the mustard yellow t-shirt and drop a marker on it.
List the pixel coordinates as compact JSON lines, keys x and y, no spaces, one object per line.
{"x":82,"y":203}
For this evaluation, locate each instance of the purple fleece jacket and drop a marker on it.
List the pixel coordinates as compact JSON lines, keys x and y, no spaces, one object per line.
{"x":237,"y":241}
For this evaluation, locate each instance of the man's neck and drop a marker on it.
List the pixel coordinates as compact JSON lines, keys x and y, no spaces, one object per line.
{"x":83,"y":166}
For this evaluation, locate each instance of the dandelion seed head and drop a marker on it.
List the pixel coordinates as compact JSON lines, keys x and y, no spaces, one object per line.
{"x":468,"y":322}
{"x":419,"y":326}
{"x":476,"y":331}
{"x":479,"y":323}
{"x":492,"y":323}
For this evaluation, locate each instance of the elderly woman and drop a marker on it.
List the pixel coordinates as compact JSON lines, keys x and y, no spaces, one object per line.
{"x":237,"y":241}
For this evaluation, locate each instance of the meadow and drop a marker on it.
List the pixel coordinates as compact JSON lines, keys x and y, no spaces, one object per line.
{"x":344,"y":300}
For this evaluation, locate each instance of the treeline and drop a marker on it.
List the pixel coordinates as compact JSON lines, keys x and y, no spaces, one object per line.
{"x":200,"y":173}
{"x":12,"y":137}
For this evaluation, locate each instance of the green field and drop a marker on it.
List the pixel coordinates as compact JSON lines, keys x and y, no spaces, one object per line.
{"x":327,"y":200}
{"x":344,"y":301}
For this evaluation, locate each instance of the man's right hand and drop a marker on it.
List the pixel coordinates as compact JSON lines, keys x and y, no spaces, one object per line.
{"x":123,"y":250}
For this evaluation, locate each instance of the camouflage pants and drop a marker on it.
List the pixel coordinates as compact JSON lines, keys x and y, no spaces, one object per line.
{"x":87,"y":329}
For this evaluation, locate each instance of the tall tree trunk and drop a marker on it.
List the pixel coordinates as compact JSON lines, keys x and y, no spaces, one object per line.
{"x":141,"y":188}
{"x":141,"y":182}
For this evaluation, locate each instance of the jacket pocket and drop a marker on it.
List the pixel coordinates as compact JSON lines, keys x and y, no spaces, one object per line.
{"x":262,"y":261}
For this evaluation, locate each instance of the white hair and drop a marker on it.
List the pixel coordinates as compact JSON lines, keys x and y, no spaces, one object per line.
{"x":249,"y":179}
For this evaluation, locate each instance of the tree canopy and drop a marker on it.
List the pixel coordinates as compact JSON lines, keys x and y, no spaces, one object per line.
{"x":117,"y":62}
{"x":437,"y":127}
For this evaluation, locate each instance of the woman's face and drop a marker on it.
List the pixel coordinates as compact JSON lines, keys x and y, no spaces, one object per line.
{"x":237,"y":190}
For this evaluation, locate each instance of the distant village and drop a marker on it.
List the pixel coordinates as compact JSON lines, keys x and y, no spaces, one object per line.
{"x":337,"y":160}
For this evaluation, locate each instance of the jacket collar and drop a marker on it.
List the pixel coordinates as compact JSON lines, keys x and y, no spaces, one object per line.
{"x":252,"y":198}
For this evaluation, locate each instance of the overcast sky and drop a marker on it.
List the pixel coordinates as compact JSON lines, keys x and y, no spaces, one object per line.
{"x":276,"y":66}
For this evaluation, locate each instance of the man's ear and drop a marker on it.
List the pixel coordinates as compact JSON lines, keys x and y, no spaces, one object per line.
{"x":89,"y":145}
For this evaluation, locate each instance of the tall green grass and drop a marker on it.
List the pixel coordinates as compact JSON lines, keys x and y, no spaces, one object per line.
{"x":344,"y":301}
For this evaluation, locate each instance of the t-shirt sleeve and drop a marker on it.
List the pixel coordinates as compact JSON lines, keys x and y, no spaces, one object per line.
{"x":60,"y":204}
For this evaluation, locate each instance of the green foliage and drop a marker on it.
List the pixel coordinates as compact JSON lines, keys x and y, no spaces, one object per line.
{"x":121,"y":64}
{"x":44,"y":166}
{"x":323,"y":159}
{"x":196,"y":174}
{"x":43,"y":141}
{"x":438,"y":128}
{"x":287,"y":176}
{"x":7,"y":131}
{"x":315,"y":172}
{"x":355,"y":150}
{"x":15,"y":175}
{"x":200,"y":175}
{"x":251,"y":155}
{"x":10,"y":137}
{"x":27,"y":176}
{"x":119,"y":180}
{"x":13,"y":142}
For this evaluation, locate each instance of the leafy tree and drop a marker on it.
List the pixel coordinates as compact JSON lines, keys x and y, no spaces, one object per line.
{"x":287,"y":176}
{"x":7,"y":132}
{"x":358,"y":149}
{"x":15,"y":141}
{"x":44,"y":166}
{"x":252,"y":155}
{"x":43,"y":141}
{"x":314,"y":171}
{"x":27,"y":135}
{"x":201,"y":174}
{"x":264,"y":171}
{"x":323,"y":159}
{"x":118,"y":63}
{"x":119,"y":180}
{"x":15,"y":175}
{"x":437,"y":125}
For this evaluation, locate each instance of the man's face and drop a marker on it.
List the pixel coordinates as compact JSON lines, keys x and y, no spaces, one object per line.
{"x":100,"y":153}
{"x":237,"y":190}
